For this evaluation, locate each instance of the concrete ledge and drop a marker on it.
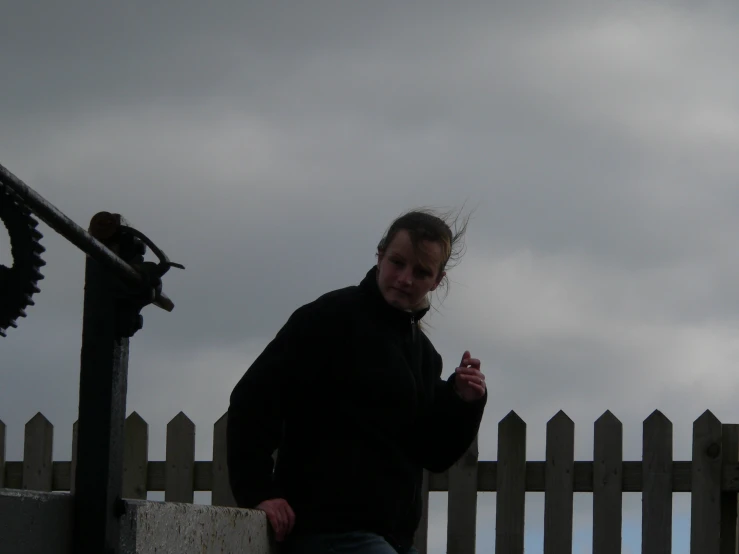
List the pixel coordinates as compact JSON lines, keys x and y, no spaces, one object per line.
{"x":163,"y":527}
{"x":33,"y":521}
{"x":42,"y":522}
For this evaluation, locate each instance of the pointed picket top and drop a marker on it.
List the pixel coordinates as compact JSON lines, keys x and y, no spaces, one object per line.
{"x":512,"y":420}
{"x":221,"y":420}
{"x":707,"y":419}
{"x":657,"y":436}
{"x":560,"y":441}
{"x":135,"y":421}
{"x":560,"y":433}
{"x":707,"y":430}
{"x":38,"y":425}
{"x":608,"y":435}
{"x":511,"y":436}
{"x":607,"y":419}
{"x":657,"y":419}
{"x":38,"y":420}
{"x":560,"y":428}
{"x":181,"y":420}
{"x":560,"y":418}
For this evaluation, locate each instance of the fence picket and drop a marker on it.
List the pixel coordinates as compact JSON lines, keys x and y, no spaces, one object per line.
{"x":180,"y":472}
{"x":221,"y":495}
{"x":462,"y":503}
{"x":730,"y":455}
{"x":559,"y":485}
{"x":657,"y":485}
{"x":37,"y":452}
{"x":607,"y":485}
{"x":511,"y":486}
{"x":2,"y":454}
{"x":705,"y":507}
{"x":420,"y":540}
{"x":135,"y":457}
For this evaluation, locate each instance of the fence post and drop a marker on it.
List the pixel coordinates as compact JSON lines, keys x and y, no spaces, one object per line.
{"x":102,"y":409}
{"x":705,"y":497}
{"x":657,"y":485}
{"x":607,"y":485}
{"x":179,"y":477}
{"x":37,"y":454}
{"x":559,"y":484}
{"x":221,"y":494}
{"x":135,"y":457}
{"x":510,"y":499}
{"x":462,"y":503}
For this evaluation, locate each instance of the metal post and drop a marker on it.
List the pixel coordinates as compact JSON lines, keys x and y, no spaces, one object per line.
{"x":118,"y":285}
{"x":102,"y":410}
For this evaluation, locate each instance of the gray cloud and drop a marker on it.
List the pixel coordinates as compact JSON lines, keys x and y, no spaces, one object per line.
{"x":267,"y":148}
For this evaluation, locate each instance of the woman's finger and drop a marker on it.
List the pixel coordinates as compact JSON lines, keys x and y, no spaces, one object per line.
{"x":290,"y":518}
{"x":477,"y":380}
{"x":470,"y":371}
{"x":274,"y":520}
{"x":283,"y":521}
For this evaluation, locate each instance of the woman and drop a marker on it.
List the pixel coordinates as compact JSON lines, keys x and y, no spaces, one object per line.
{"x":350,"y":394}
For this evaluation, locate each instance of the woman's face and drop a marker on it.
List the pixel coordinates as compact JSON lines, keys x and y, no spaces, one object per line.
{"x":404,"y":277}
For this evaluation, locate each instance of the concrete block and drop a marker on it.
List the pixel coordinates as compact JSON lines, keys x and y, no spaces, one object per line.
{"x":35,"y":522}
{"x":167,"y":527}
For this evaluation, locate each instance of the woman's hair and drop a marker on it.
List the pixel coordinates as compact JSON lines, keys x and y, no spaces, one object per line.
{"x":426,"y":224}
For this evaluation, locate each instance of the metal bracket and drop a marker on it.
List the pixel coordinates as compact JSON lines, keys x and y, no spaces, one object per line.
{"x":130,"y":245}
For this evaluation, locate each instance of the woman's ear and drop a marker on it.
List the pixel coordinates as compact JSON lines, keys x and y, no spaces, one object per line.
{"x":438,"y":280}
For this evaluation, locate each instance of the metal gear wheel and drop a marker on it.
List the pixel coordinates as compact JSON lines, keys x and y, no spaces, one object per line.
{"x":20,"y":282}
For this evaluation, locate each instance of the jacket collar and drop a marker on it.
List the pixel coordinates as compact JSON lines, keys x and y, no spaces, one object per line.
{"x":372,"y":290}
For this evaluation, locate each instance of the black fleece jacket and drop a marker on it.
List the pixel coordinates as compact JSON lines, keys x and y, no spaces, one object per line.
{"x":351,"y":395}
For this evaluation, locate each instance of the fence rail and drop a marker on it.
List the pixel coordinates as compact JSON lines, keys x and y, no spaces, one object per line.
{"x":712,"y":478}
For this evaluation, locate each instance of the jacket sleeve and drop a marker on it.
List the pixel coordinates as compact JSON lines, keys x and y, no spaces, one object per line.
{"x":257,"y":410}
{"x":451,"y":426}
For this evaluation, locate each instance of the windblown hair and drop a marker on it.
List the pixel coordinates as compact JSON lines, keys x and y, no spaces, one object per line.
{"x":426,"y":224}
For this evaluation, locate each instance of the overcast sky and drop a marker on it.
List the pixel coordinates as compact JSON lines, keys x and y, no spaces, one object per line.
{"x":267,"y":146}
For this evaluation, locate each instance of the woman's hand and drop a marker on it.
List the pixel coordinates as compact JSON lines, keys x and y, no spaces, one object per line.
{"x":469,"y":382}
{"x":280,"y":515}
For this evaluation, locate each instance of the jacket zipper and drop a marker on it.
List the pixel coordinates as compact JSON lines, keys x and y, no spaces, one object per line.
{"x":413,"y":328}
